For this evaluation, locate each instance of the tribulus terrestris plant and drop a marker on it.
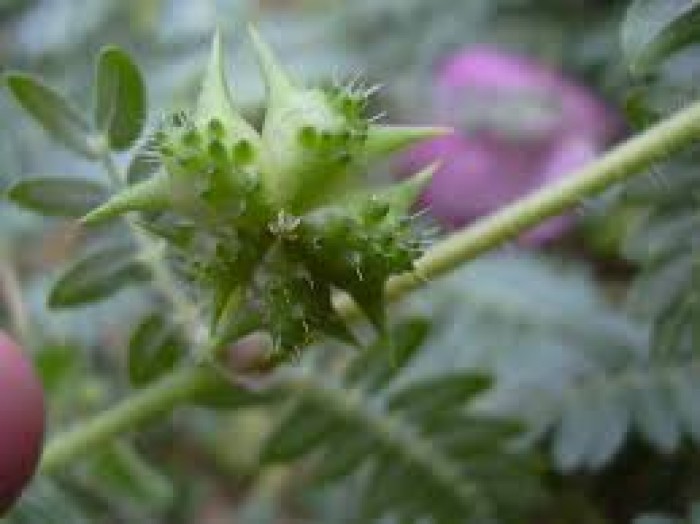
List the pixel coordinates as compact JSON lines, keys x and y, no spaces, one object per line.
{"x":273,"y":231}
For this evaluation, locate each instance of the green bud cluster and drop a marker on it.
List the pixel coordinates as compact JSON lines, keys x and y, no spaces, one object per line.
{"x":267,"y":225}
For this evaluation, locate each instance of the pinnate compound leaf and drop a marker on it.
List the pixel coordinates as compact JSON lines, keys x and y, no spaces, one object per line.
{"x":419,"y":463}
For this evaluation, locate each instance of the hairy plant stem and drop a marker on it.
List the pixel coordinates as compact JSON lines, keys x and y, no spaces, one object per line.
{"x":158,"y":399}
{"x":620,"y":163}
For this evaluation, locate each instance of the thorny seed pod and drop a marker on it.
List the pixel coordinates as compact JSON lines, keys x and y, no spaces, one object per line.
{"x":255,"y":220}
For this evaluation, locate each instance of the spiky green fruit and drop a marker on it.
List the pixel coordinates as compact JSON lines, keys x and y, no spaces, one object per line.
{"x":256,"y":222}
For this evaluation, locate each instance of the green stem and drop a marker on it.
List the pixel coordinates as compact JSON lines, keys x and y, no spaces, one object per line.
{"x":629,"y":158}
{"x":152,"y":402}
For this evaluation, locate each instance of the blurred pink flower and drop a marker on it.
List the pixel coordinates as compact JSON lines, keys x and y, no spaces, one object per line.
{"x":519,"y":126}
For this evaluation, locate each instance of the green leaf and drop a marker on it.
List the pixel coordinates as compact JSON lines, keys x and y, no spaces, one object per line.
{"x":440,"y":393}
{"x":155,"y":348}
{"x":592,"y":428}
{"x":47,"y":503}
{"x":97,"y":276}
{"x":686,"y":395}
{"x":653,"y":29}
{"x":653,"y":414}
{"x":576,"y":434}
{"x":613,"y":427}
{"x":119,"y":470}
{"x":58,"y":118}
{"x":385,"y":488}
{"x":120,"y":98}
{"x":381,"y":362}
{"x":58,"y":196}
{"x":299,"y":432}
{"x":342,"y":458}
{"x":467,"y":436}
{"x":58,"y":365}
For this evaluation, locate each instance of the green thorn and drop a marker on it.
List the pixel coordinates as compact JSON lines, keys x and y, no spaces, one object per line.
{"x":372,"y":303}
{"x":278,"y":83}
{"x":399,"y":197}
{"x":403,"y":195}
{"x":215,"y":101}
{"x":150,"y":195}
{"x":384,"y":140}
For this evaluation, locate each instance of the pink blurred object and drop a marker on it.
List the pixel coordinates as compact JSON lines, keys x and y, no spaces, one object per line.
{"x":519,"y":126}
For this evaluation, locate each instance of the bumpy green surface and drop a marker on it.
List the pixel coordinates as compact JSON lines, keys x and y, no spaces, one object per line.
{"x":267,"y":224}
